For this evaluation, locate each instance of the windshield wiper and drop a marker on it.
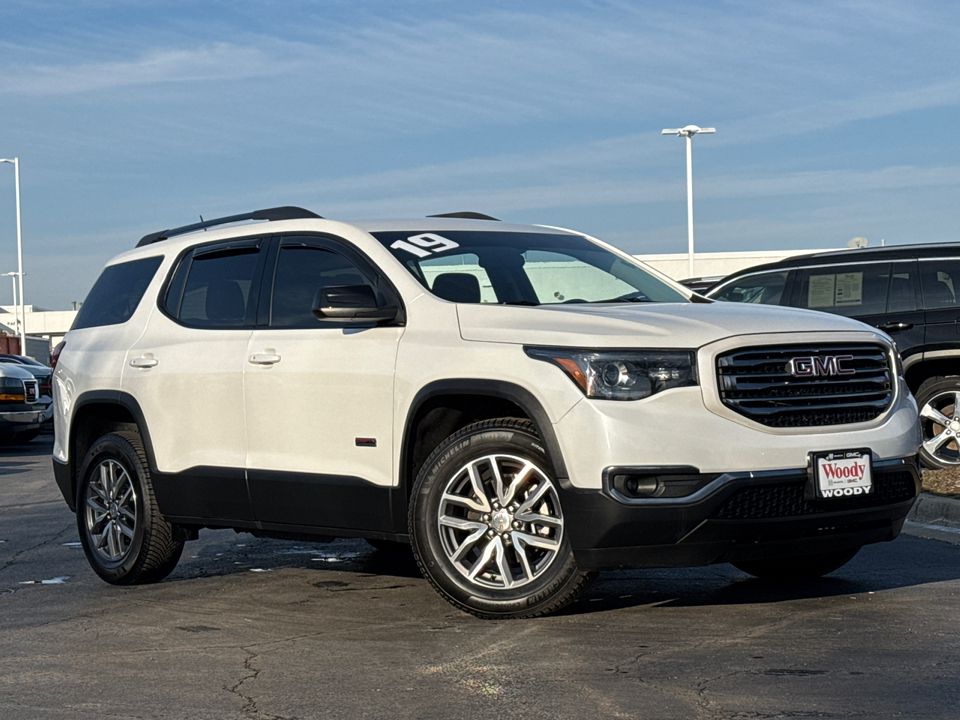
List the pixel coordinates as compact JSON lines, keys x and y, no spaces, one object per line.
{"x":520,"y":302}
{"x":629,"y":297}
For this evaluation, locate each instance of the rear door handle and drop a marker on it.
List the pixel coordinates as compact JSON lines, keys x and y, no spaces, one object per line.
{"x":264,"y":359}
{"x":144,"y":362}
{"x":895,"y":327}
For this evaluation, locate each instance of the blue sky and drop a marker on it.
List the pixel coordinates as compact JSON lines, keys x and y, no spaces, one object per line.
{"x":834,"y":120}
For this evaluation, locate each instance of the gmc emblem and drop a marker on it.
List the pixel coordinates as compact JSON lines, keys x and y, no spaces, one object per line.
{"x":817,"y":366}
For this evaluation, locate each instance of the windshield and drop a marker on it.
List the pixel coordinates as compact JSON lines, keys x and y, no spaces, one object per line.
{"x":517,"y":268}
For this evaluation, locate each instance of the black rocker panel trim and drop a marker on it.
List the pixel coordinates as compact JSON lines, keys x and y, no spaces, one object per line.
{"x":319,"y":500}
{"x":206,"y":492}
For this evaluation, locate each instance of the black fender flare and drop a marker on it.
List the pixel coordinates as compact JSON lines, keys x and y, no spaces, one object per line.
{"x":67,"y":473}
{"x":502,"y":390}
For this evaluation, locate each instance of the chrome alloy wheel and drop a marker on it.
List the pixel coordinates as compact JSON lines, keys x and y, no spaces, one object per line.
{"x":110,"y":508}
{"x":940,"y":420}
{"x":500,"y":521}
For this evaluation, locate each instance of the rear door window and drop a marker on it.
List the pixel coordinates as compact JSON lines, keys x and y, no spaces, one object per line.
{"x":217,"y":286}
{"x":849,"y":290}
{"x":117,"y":293}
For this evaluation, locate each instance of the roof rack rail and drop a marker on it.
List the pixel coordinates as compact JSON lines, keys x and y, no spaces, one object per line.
{"x":287,"y":212}
{"x":466,"y":215}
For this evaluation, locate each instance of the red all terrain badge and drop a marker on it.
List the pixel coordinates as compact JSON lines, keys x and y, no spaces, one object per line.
{"x":842,"y":473}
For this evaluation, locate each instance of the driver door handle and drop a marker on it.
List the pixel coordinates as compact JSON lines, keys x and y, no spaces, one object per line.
{"x":895,"y":327}
{"x":264,"y":358}
{"x":144,"y":362}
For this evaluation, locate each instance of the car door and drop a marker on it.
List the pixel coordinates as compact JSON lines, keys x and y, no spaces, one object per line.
{"x":186,"y":372}
{"x":904,"y":318}
{"x":319,"y":396}
{"x":881,"y":294}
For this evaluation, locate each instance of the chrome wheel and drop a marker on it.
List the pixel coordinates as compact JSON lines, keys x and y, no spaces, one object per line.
{"x":940,"y":423}
{"x":500,"y":521}
{"x":110,"y":511}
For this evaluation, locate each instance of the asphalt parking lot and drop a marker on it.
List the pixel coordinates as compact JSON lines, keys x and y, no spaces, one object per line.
{"x":246,"y":628}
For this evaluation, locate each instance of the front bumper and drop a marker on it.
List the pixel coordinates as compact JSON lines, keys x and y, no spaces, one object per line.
{"x":20,"y":421}
{"x":735,"y":517}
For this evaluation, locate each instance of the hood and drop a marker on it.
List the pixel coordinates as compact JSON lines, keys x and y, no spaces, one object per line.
{"x":12,"y":370}
{"x":667,"y":325}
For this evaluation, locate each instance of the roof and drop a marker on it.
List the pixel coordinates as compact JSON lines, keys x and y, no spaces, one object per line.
{"x":890,"y":253}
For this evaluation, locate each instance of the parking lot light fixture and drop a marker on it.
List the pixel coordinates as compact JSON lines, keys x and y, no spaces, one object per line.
{"x":22,"y":309}
{"x":688,"y":132}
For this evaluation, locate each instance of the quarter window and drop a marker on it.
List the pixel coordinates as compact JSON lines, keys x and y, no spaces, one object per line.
{"x":763,"y":288}
{"x":117,"y":293}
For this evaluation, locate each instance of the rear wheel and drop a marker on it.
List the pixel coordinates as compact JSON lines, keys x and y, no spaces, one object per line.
{"x":125,"y":538}
{"x":801,"y":567}
{"x":486,"y":524}
{"x":939,"y":401}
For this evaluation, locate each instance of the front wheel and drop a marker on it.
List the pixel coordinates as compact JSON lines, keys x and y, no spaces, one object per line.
{"x":125,"y":538}
{"x":939,"y":401}
{"x":803,"y":567}
{"x":486,"y":524}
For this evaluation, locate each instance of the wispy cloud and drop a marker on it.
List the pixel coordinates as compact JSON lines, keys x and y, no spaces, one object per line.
{"x":217,"y":62}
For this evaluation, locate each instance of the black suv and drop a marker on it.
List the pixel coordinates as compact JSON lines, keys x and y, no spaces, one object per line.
{"x":911,"y":292}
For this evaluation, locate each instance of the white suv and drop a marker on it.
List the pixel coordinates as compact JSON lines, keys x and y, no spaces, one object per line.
{"x":524,"y":405}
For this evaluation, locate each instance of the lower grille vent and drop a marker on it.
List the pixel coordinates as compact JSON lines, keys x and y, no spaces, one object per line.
{"x":784,"y":500}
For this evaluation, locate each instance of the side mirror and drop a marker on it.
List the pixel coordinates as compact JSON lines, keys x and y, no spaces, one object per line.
{"x":351,"y":304}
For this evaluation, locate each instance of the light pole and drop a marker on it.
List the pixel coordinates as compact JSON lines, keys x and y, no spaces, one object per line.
{"x":16,"y":308}
{"x":687,"y":132}
{"x":22,"y":312}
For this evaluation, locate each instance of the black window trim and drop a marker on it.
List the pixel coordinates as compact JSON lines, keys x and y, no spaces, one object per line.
{"x":269,"y":249}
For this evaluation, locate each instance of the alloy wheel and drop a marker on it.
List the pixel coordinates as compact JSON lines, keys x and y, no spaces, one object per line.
{"x":111,"y":511}
{"x":940,"y":419}
{"x":500,"y":521}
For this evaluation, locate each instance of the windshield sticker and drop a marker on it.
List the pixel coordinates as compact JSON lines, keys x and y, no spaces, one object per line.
{"x":425,"y":244}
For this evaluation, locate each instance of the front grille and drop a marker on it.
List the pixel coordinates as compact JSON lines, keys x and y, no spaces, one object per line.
{"x":31,"y":390}
{"x":785,"y":500}
{"x":758,"y":383}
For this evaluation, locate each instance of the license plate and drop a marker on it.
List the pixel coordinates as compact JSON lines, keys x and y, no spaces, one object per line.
{"x":842,"y":473}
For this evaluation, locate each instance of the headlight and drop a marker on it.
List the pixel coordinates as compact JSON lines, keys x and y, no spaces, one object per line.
{"x":12,"y":391}
{"x":622,"y":374}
